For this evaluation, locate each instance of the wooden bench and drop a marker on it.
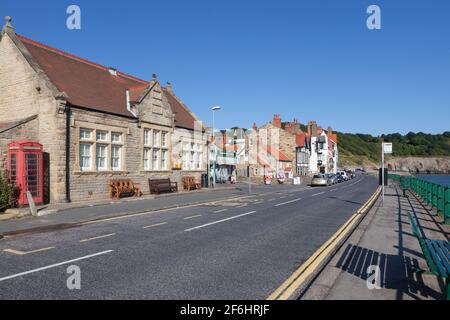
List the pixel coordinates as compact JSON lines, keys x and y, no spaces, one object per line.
{"x":436,"y":252}
{"x":189,"y":184}
{"x":158,"y":186}
{"x":123,"y":188}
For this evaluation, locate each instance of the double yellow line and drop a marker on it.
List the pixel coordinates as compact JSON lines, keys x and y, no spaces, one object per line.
{"x":297,"y":279}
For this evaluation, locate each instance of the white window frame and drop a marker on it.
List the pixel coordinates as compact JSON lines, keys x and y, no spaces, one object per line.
{"x":156,"y":138}
{"x":119,"y":134}
{"x":83,"y":131}
{"x":88,"y":157}
{"x":99,"y":158}
{"x":163,"y":155}
{"x":101,"y":132}
{"x":156,"y":158}
{"x":118,"y":157}
{"x":96,"y":139}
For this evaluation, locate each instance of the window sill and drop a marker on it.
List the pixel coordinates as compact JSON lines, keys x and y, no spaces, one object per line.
{"x":99,"y":173}
{"x":156,"y":171}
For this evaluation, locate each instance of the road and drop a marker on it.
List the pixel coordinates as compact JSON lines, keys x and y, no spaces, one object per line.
{"x":239,"y":248}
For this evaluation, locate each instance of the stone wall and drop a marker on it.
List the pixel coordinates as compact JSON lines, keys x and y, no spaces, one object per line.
{"x":23,"y":93}
{"x":93,"y":185}
{"x":19,"y":98}
{"x":26,"y":131}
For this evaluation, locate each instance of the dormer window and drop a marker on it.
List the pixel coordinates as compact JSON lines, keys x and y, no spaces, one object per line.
{"x":112,"y":71}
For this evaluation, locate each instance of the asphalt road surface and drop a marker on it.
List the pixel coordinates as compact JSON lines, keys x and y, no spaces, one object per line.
{"x":239,"y":248}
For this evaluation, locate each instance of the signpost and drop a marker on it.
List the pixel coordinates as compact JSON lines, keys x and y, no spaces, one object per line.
{"x":386,"y":149}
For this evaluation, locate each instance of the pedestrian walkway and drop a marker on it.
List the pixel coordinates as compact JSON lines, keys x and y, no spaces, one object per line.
{"x":384,"y":239}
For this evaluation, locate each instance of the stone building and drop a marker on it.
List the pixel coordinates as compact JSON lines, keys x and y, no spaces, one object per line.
{"x":95,"y":123}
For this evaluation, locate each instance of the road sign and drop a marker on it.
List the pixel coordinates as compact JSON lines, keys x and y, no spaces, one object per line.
{"x":387,"y":148}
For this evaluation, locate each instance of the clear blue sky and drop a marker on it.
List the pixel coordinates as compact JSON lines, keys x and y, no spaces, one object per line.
{"x":311,"y":59}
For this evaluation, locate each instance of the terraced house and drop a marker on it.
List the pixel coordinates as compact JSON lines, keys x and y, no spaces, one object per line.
{"x":94,"y":123}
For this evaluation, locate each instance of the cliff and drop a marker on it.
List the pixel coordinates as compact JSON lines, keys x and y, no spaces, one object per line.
{"x":437,"y":164}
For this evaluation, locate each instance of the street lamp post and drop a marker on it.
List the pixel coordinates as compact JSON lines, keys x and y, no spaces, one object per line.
{"x":214,"y":109}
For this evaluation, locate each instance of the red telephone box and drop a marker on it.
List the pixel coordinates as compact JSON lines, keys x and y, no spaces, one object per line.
{"x":25,"y":167}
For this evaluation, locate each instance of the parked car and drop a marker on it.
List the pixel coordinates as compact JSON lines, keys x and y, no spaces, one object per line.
{"x":320,"y":180}
{"x":344,"y":175}
{"x":339,"y":178}
{"x":333,"y":178}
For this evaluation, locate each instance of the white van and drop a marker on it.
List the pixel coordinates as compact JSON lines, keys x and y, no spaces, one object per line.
{"x":344,"y":175}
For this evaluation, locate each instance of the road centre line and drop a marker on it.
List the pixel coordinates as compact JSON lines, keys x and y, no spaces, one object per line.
{"x":132,"y":215}
{"x":22,"y":253}
{"x":317,"y":194}
{"x":155,"y":225}
{"x":54,"y":265}
{"x":219,"y":211}
{"x":334,"y":189}
{"x":97,"y":238}
{"x":287,"y":202}
{"x":192,"y":217}
{"x":220,"y":221}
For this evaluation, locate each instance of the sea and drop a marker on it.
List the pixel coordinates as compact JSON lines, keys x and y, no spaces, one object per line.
{"x":438,"y":179}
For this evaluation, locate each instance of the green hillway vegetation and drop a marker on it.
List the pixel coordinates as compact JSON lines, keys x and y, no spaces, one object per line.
{"x":365,"y":149}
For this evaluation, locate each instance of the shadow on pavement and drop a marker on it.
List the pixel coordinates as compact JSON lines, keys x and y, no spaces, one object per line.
{"x":395,"y":271}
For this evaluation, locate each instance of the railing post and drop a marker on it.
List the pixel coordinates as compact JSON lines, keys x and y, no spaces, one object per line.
{"x":440,"y":199}
{"x":447,"y":205}
{"x":435,"y":195}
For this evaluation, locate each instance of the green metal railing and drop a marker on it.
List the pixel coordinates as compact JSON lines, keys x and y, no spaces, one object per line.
{"x":435,"y":195}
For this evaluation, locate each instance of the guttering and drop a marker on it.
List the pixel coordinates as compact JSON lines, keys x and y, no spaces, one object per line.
{"x":68,"y":112}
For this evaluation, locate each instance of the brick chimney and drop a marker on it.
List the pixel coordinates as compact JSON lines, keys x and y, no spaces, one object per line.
{"x":312,"y":128}
{"x":330,"y":131}
{"x":255,"y":127}
{"x":277,"y":120}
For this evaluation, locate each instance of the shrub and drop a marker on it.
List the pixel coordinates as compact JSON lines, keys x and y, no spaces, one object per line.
{"x":8,"y":193}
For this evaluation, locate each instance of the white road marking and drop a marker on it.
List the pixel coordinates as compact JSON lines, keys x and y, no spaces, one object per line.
{"x":193,"y":217}
{"x":155,"y":225}
{"x":22,"y":253}
{"x":317,"y":194}
{"x":219,"y":211}
{"x":220,"y":221}
{"x":99,"y":237}
{"x":333,"y":190}
{"x":53,"y":266}
{"x":288,"y":202}
{"x":270,"y":200}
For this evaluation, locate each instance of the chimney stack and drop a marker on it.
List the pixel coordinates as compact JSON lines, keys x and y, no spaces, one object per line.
{"x":312,"y":128}
{"x":255,"y":127}
{"x":169,"y":86}
{"x":277,"y":120}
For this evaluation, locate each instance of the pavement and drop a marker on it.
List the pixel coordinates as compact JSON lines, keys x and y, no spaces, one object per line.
{"x":383,"y":239}
{"x":228,"y":245}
